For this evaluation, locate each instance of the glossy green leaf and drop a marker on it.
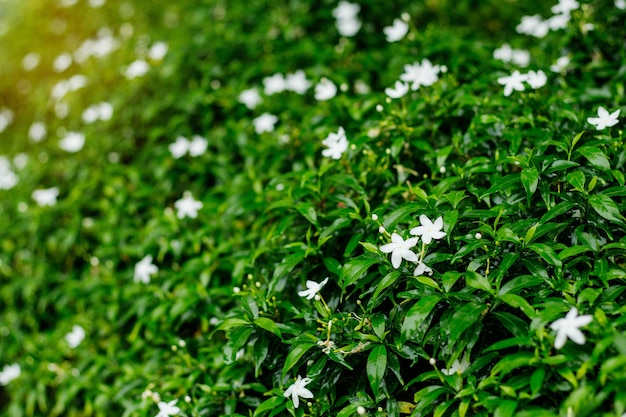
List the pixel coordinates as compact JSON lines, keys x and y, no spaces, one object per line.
{"x":236,"y":341}
{"x":606,"y":207}
{"x":376,"y":366}
{"x":416,"y":315}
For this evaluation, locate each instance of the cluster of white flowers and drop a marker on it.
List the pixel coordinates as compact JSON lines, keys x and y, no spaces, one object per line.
{"x":604,"y":119}
{"x":538,"y":27}
{"x":195,"y":147}
{"x":337,"y":144}
{"x":347,"y":18}
{"x":9,"y":373}
{"x":397,"y":31}
{"x":518,"y":57}
{"x":8,"y":177}
{"x":295,"y":82}
{"x":515,"y":81}
{"x":101,"y":111}
{"x":401,"y":249}
{"x":99,"y":47}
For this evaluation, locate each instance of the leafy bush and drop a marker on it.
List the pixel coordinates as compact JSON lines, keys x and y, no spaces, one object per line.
{"x":316,"y":208}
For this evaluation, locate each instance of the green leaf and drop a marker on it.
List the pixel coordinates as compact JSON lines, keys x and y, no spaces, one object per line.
{"x":573,"y":251}
{"x":400,"y":214}
{"x":597,"y":158}
{"x":577,"y":180}
{"x":378,"y":325}
{"x":269,"y":325}
{"x":268,"y":405}
{"x":516,"y":301}
{"x":296,"y":352}
{"x":308,"y":211}
{"x":376,"y":366}
{"x":237,"y":339}
{"x":387,"y":280}
{"x":561,"y":208}
{"x":476,"y":280}
{"x":512,"y":362}
{"x":505,"y":409}
{"x":279,"y":278}
{"x":547,"y":253}
{"x":469,"y":314}
{"x":260,"y":351}
{"x":605,"y":207}
{"x":417,"y":314}
{"x":530,"y":180}
{"x":355,"y":268}
{"x":338,"y":224}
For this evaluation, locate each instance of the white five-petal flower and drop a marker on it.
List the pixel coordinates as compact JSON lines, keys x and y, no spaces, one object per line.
{"x":514,"y":81}
{"x":422,"y":269}
{"x":325,"y":90}
{"x":397,"y":31}
{"x":421,"y":74}
{"x":604,"y":119}
{"x":187,"y":206}
{"x":72,"y":142}
{"x":179,"y":148}
{"x":337,"y":144}
{"x":75,"y":337}
{"x":400,"y":249}
{"x":312,"y":289}
{"x":46,"y":197}
{"x":168,"y":409}
{"x":457,"y":367}
{"x":536,"y":79}
{"x":568,"y":327}
{"x":429,"y":230}
{"x":264,"y":123}
{"x":399,"y":90}
{"x":198,"y":145}
{"x":297,"y":389}
{"x":145,"y":268}
{"x":250,"y":98}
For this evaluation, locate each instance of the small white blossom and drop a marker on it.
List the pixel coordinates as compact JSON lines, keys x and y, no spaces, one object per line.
{"x":620,"y":4}
{"x":360,"y":410}
{"x":37,"y":132}
{"x":560,"y":63}
{"x":400,"y":249}
{"x":9,"y":373}
{"x":297,"y":390}
{"x":297,"y":82}
{"x":565,"y":6}
{"x":534,"y":26}
{"x":62,"y":62}
{"x":8,"y":178}
{"x":312,"y":289}
{"x":250,"y":98}
{"x":421,"y":74}
{"x":397,"y":31}
{"x":143,"y":270}
{"x":264,"y":123}
{"x":325,"y":90}
{"x":6,"y":118}
{"x":198,"y":146}
{"x":337,"y":144}
{"x":514,"y":81}
{"x":167,"y":409}
{"x":72,"y":142}
{"x":604,"y":119}
{"x":158,"y":51}
{"x":75,"y":337}
{"x":46,"y":197}
{"x":31,"y":61}
{"x":536,"y":79}
{"x":136,"y":69}
{"x":422,"y":269}
{"x":399,"y":90}
{"x":568,"y":327}
{"x":559,"y":21}
{"x":274,"y":84}
{"x":180,"y":147}
{"x":187,"y":206}
{"x":507,"y":54}
{"x":457,"y":367}
{"x":429,"y":230}
{"x":346,"y":14}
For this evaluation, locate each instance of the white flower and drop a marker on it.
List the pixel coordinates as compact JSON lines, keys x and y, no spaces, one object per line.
{"x":105,"y":110}
{"x":198,"y":145}
{"x":37,"y":132}
{"x":604,"y":119}
{"x":349,"y":26}
{"x":9,"y":373}
{"x":6,"y":118}
{"x":559,"y":21}
{"x":325,"y":90}
{"x":31,"y":61}
{"x":274,"y":84}
{"x":187,"y":206}
{"x":565,"y":6}
{"x":536,"y":79}
{"x":136,"y":69}
{"x":75,"y":337}
{"x":312,"y":289}
{"x":168,"y":409}
{"x":337,"y":144}
{"x":534,"y":26}
{"x":264,"y":123}
{"x":250,"y":98}
{"x":96,"y":3}
{"x":346,"y":10}
{"x":514,"y":81}
{"x":297,"y":82}
{"x":158,"y":51}
{"x":517,"y":56}
{"x":397,"y":31}
{"x":620,"y":4}
{"x":561,"y":63}
{"x":429,"y":230}
{"x":422,"y":269}
{"x":297,"y":390}
{"x":143,"y":270}
{"x":568,"y":327}
{"x":46,"y":197}
{"x":8,"y":178}
{"x":62,"y":62}
{"x":457,"y":367}
{"x":399,"y":90}
{"x":399,"y":249}
{"x":180,"y":147}
{"x":72,"y":142}
{"x":417,"y":74}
